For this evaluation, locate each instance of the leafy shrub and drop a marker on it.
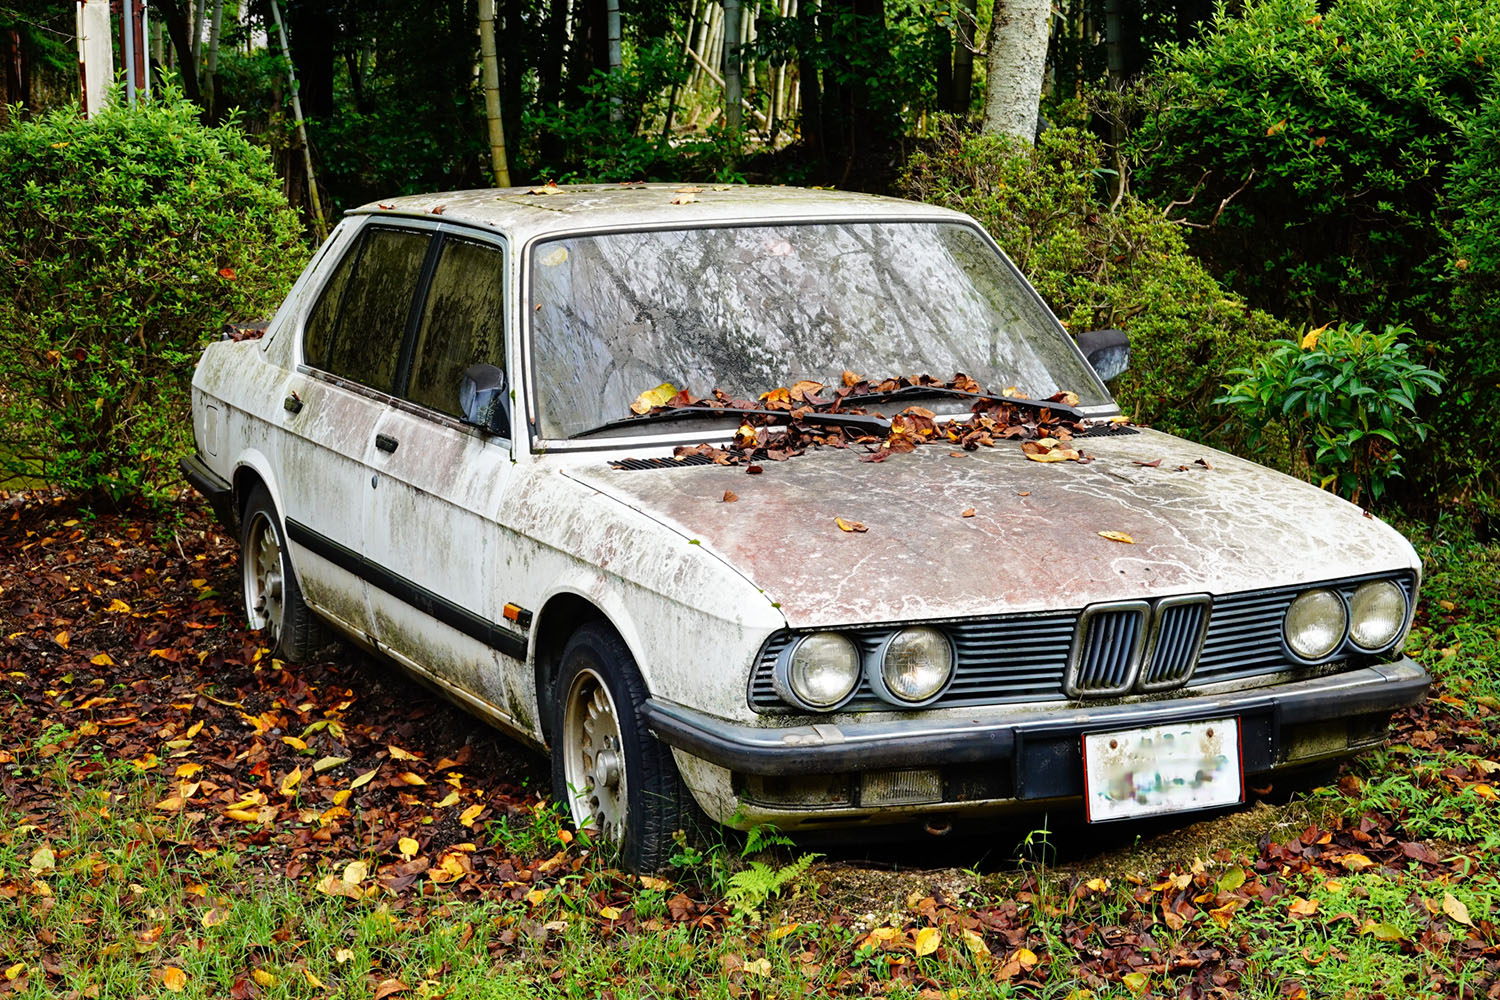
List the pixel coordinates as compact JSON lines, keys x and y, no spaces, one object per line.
{"x":1331,"y":129}
{"x":1103,"y":267}
{"x":1471,"y":353}
{"x":1348,"y":397}
{"x":1355,"y":143}
{"x":127,"y":240}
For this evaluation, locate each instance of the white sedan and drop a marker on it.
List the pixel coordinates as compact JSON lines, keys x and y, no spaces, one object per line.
{"x":786,"y":506}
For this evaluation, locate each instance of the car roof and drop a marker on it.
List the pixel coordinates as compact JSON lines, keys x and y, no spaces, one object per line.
{"x":524,"y":213}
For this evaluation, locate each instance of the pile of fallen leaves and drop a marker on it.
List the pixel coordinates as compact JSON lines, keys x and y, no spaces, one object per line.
{"x":122,"y":655}
{"x":1046,"y":434}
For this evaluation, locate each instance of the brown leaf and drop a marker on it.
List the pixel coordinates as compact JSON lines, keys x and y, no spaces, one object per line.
{"x":389,"y":987}
{"x":968,"y":513}
{"x":730,"y":496}
{"x":849,"y":525}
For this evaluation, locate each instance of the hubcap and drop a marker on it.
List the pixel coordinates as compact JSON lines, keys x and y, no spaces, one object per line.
{"x":594,"y":758}
{"x":263,"y":579}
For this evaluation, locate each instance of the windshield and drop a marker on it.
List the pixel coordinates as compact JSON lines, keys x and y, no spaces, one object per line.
{"x":750,"y":308}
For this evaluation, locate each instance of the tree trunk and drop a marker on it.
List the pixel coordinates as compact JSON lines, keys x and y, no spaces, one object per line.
{"x":1016,"y":61}
{"x":210,"y":75}
{"x":177,"y":15}
{"x":967,"y":15}
{"x":492,"y":93}
{"x":616,"y":59}
{"x":732,"y":113}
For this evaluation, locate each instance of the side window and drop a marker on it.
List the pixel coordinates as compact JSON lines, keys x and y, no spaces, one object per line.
{"x":371,"y":322}
{"x":325,"y":313}
{"x":463,"y":323}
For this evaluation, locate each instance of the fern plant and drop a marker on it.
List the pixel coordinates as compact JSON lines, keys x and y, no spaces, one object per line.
{"x":753,"y":887}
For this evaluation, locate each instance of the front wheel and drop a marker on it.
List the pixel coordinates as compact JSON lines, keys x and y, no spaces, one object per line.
{"x":609,"y":773}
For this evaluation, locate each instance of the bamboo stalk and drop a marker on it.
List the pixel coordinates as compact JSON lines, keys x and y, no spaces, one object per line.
{"x":495,"y":126}
{"x":320,"y":229}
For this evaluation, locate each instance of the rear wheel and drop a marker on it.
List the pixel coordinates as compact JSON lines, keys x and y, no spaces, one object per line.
{"x":608,"y":772}
{"x":273,"y":601}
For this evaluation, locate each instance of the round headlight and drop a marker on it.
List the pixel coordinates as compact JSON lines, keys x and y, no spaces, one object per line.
{"x":916,"y":665}
{"x":1315,"y":624}
{"x":1376,"y":613}
{"x":819,"y":672}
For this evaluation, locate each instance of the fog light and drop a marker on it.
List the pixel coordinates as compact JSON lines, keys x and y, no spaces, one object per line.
{"x":900,"y":788}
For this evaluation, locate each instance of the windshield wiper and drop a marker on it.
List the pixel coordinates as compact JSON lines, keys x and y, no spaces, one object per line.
{"x":859,"y":421}
{"x":942,"y":390}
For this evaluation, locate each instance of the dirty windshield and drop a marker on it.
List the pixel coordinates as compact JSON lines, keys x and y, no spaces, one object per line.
{"x":746,"y":309}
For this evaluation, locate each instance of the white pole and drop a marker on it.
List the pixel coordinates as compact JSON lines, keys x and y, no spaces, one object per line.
{"x":96,"y":61}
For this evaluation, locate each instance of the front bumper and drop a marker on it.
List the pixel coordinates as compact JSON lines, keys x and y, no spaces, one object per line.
{"x":1037,"y":753}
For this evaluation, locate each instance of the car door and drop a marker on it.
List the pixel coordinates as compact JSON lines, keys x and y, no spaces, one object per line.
{"x":436,"y":486}
{"x":350,"y":354}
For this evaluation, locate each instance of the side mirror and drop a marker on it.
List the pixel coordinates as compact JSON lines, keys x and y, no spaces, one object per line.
{"x":483,"y":398}
{"x":1107,"y":350}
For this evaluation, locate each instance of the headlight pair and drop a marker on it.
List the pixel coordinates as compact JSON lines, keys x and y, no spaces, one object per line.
{"x":820,"y":672}
{"x":1319,"y":621}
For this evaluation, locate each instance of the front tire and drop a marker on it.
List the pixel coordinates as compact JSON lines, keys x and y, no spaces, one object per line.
{"x":608,"y":772}
{"x":273,"y":601}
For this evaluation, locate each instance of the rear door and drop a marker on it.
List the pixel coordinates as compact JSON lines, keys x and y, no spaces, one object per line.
{"x":351,"y":353}
{"x":430,"y":525}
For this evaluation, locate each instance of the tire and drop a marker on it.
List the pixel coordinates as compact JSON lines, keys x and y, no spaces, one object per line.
{"x":608,"y":772}
{"x":273,"y":601}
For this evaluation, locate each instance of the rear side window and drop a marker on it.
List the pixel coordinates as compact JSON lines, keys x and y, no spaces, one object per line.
{"x":462,"y":324}
{"x":364,"y":333}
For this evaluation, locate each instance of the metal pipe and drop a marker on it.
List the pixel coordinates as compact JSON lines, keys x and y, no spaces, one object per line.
{"x":127,"y":47}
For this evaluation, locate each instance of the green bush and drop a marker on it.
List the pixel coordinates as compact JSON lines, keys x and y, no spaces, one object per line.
{"x":1347,"y":396}
{"x":1331,"y":128}
{"x":127,"y":240}
{"x":1100,"y":267}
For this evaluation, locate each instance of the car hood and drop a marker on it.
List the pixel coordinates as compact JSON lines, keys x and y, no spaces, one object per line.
{"x":1200,"y":522}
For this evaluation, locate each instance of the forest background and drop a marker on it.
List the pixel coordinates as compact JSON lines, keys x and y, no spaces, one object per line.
{"x":1291,"y":206}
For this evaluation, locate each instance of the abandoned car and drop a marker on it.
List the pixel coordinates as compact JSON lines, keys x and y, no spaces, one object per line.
{"x":787,"y":506}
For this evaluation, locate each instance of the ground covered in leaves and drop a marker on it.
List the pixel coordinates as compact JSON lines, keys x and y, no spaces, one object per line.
{"x":184,"y":815}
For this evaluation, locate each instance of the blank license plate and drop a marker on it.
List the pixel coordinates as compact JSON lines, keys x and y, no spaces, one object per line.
{"x":1162,"y":769}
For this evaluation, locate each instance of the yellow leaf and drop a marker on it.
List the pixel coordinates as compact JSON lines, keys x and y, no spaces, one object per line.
{"x":609,"y":913}
{"x":1382,"y":932}
{"x":1097,"y":884}
{"x":147,"y":762}
{"x":1303,"y":907}
{"x":760,"y":966}
{"x":328,"y":763}
{"x":1117,"y":536}
{"x":363,"y":779}
{"x":1231,"y":880}
{"x":1483,"y":791}
{"x":407,"y":846}
{"x":469,"y":815}
{"x":355,"y":872}
{"x":658,"y":884}
{"x":341,"y":796}
{"x":849,"y":525}
{"x":660,"y":396}
{"x":187,"y":770}
{"x":451,"y":799}
{"x":1135,"y":981}
{"x":1026,"y":957}
{"x":398,"y":754}
{"x":264,"y":978}
{"x":312,"y":980}
{"x":42,"y":860}
{"x":103,"y":660}
{"x":243,"y":815}
{"x":14,"y":972}
{"x":976,"y":943}
{"x":294,"y":743}
{"x":172,"y":803}
{"x":174,"y":979}
{"x":1055,"y":455}
{"x":411,"y":779}
{"x":928,"y":940}
{"x":61,"y":639}
{"x":193,"y":730}
{"x":1455,"y":908}
{"x":535,"y":896}
{"x":1310,"y":339}
{"x":290,"y":782}
{"x":781,"y":931}
{"x":214,"y":917}
{"x":343,"y":955}
{"x":1356,"y":862}
{"x":119,"y":607}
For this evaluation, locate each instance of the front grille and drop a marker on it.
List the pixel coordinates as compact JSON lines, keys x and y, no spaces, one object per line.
{"x":1025,"y":658}
{"x":1107,"y":650}
{"x":1180,"y":627}
{"x":637,"y":464}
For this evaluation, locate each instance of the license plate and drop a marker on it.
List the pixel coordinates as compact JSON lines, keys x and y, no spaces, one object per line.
{"x":1173,"y":768}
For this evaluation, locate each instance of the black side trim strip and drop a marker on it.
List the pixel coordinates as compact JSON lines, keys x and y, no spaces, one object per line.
{"x":399,"y":587}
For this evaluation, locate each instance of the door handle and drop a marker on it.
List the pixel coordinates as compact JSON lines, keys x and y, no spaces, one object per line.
{"x":385,"y":442}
